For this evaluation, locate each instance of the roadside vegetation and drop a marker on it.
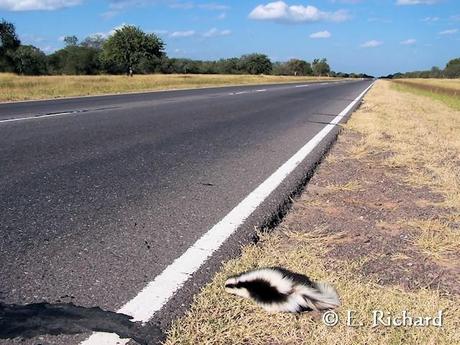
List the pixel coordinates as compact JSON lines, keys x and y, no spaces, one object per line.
{"x":444,"y":90}
{"x":451,"y":70}
{"x":379,"y":220}
{"x":16,"y":88}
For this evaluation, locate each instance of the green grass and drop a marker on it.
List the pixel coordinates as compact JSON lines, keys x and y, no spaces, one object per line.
{"x":451,"y":101}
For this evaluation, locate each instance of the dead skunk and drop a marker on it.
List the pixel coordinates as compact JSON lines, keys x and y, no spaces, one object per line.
{"x":278,"y":290}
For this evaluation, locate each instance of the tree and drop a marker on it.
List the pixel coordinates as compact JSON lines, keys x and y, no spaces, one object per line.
{"x":94,"y":41}
{"x":9,"y":42}
{"x":70,"y":41}
{"x":29,"y":60}
{"x":228,"y":66}
{"x":75,"y":60}
{"x":299,"y":67}
{"x":255,"y":64}
{"x":452,"y":69}
{"x":129,"y":45}
{"x":435,"y":72}
{"x":320,"y":67}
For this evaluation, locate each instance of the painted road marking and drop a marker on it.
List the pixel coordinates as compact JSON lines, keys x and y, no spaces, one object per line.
{"x":158,"y":292}
{"x":38,"y":117}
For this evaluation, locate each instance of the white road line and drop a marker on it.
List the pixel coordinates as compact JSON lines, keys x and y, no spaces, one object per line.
{"x":261,"y":90}
{"x":155,"y":295}
{"x":37,"y":117}
{"x":306,"y":85}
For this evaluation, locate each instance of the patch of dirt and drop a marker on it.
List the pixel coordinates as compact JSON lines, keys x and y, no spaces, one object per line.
{"x":368,"y":225}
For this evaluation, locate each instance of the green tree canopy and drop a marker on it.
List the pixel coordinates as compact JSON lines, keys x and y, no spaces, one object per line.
{"x":29,"y":60}
{"x":255,"y":64}
{"x":452,"y":69}
{"x":94,"y":41}
{"x":75,"y":60}
{"x":299,"y":67}
{"x":320,"y":67}
{"x":129,"y":46}
{"x":71,"y":41}
{"x":9,"y":42}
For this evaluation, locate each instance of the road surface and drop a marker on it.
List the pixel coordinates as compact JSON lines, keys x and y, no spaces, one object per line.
{"x":98,"y":195}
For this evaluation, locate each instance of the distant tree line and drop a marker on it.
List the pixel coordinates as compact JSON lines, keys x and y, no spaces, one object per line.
{"x":452,"y":70}
{"x":128,"y":50}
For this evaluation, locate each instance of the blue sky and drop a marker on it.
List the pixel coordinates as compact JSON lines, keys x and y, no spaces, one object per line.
{"x":372,"y":36}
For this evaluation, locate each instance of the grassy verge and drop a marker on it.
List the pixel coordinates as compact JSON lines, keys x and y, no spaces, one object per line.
{"x":15,"y":88}
{"x":379,"y":220}
{"x":444,"y":90}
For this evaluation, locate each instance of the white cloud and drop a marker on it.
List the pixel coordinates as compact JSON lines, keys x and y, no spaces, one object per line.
{"x":282,"y":12}
{"x":430,"y":19}
{"x":34,"y":5}
{"x":109,"y":14}
{"x":449,"y":32}
{"x":215,"y":32}
{"x":321,"y":34}
{"x":213,"y":7}
{"x":408,"y":42}
{"x":416,"y":2}
{"x":222,"y":16}
{"x":105,"y":34}
{"x":179,"y":34}
{"x":160,"y":32}
{"x":371,"y":44}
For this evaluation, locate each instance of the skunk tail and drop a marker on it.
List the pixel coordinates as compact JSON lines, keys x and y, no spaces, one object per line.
{"x":322,"y":297}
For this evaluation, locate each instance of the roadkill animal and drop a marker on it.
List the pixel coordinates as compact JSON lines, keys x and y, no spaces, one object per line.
{"x":278,"y":290}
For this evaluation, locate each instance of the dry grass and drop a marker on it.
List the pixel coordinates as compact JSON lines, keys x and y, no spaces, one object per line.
{"x":219,"y":318}
{"x":453,"y":84}
{"x":14,"y":87}
{"x":423,"y":137}
{"x":436,"y":238}
{"x":444,"y":90}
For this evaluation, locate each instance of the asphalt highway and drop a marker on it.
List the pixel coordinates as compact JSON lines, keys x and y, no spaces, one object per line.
{"x":98,"y":195}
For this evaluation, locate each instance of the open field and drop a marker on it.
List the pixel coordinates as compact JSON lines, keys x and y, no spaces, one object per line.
{"x":379,"y":220}
{"x":436,"y":85}
{"x":17,"y":88}
{"x":445,"y":90}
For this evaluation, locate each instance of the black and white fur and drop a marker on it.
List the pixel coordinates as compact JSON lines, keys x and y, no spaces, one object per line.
{"x":278,"y":290}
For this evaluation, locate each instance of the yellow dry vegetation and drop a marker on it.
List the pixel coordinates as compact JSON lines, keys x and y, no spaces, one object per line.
{"x":18,"y":88}
{"x":444,"y":90}
{"x":453,"y":84}
{"x":423,"y":136}
{"x":219,"y":318}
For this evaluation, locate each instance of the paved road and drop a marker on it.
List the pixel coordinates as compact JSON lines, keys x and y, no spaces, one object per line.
{"x":98,"y":195}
